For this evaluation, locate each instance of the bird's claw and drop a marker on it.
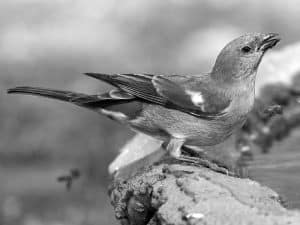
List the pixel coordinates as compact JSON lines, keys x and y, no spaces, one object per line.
{"x":206,"y":163}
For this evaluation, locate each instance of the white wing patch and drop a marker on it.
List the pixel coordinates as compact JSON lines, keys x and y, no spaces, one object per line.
{"x":117,"y":116}
{"x":196,"y":97}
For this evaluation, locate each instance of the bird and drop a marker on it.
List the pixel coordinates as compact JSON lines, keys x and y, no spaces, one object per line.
{"x":180,"y":110}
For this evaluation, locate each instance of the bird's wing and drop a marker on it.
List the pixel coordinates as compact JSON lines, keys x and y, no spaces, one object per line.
{"x":138,"y":85}
{"x":192,"y":94}
{"x":170,"y":91}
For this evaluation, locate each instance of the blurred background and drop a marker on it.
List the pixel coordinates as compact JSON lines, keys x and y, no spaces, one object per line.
{"x":51,"y":43}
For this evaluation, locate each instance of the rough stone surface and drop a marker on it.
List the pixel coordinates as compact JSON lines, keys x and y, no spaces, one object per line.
{"x":182,"y":194}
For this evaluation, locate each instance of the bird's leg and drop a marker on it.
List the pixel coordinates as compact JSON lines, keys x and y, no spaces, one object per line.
{"x":173,"y":147}
{"x":206,"y":162}
{"x":199,"y":158}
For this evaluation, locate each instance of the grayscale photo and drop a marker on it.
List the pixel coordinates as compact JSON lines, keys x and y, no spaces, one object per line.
{"x":139,"y":112}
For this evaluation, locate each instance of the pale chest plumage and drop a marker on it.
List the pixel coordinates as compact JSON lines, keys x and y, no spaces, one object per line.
{"x":164,"y":123}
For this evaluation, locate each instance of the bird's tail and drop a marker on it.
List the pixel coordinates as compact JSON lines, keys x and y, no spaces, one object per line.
{"x":67,"y":96}
{"x":98,"y":103}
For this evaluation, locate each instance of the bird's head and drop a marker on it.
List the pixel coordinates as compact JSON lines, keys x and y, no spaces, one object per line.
{"x":241,"y":57}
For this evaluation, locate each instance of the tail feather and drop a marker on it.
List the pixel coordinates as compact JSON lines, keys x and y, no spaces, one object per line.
{"x":45,"y":92}
{"x":100,"y":103}
{"x":88,"y":101}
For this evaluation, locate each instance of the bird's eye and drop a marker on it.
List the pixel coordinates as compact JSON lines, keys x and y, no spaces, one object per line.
{"x":246,"y":49}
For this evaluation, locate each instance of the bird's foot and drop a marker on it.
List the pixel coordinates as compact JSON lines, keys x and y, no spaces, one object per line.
{"x":205,"y":162}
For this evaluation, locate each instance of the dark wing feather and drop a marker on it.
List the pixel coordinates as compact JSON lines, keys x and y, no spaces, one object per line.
{"x":169,"y":91}
{"x":139,"y":85}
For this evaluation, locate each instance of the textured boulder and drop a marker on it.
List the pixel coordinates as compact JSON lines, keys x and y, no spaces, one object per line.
{"x":182,"y":194}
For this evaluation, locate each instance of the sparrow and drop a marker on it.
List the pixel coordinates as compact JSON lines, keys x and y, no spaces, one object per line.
{"x":180,"y":110}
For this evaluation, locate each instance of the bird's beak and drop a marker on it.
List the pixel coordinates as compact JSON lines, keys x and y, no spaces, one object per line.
{"x":269,"y":41}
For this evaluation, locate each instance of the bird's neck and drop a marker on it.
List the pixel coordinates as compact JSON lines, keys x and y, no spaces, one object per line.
{"x":228,"y":73}
{"x":226,"y":80}
{"x":236,"y":87}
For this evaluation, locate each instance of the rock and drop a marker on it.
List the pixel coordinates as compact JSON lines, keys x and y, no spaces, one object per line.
{"x":182,"y":194}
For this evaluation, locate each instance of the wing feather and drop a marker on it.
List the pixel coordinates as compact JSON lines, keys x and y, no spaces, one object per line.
{"x":171,"y":91}
{"x":200,"y":99}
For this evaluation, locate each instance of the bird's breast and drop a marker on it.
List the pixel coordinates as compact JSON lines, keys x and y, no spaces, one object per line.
{"x":164,"y":123}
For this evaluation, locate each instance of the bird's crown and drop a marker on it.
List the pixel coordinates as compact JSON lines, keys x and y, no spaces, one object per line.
{"x":240,"y":58}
